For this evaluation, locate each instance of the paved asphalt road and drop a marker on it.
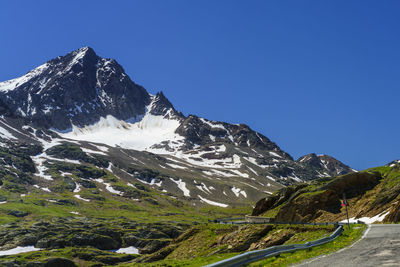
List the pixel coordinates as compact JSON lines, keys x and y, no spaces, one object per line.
{"x":379,"y":247}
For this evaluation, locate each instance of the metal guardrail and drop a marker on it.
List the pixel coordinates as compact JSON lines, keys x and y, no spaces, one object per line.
{"x":242,"y":220}
{"x":290,"y":223}
{"x":255,"y":255}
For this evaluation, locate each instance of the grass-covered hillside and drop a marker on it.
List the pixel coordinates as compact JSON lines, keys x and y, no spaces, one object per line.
{"x":197,"y":246}
{"x":372,"y":194}
{"x":79,"y":205}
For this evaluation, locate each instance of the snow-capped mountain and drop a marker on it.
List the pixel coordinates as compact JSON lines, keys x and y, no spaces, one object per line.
{"x":90,"y":102}
{"x":77,"y":89}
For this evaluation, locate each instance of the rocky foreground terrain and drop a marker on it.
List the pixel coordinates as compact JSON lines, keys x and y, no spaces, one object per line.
{"x":373,"y":196}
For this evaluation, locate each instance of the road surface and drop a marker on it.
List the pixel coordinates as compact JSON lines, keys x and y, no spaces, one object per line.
{"x":379,"y":247}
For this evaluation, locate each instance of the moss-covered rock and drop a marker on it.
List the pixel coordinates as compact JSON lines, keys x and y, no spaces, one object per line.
{"x":17,"y":213}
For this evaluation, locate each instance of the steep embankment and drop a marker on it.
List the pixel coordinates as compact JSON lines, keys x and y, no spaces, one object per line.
{"x":215,"y":241}
{"x":372,"y":194}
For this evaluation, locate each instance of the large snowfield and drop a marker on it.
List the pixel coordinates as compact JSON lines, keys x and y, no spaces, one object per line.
{"x":139,"y":135}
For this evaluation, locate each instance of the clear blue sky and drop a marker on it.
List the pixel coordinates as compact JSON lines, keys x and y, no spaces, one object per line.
{"x":313,"y":76}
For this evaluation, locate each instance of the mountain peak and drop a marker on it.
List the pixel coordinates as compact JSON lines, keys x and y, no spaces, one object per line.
{"x":161,"y":106}
{"x":86,"y":50}
{"x":82,"y":59}
{"x":76,"y":89}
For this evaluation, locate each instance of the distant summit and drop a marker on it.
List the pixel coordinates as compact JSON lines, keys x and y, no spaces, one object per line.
{"x":327,"y":164}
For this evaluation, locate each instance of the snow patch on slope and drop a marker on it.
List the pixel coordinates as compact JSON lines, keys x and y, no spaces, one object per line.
{"x":152,"y":182}
{"x":87,"y":150}
{"x":39,"y":162}
{"x":369,"y":220}
{"x":6,"y":134}
{"x":182,"y":186}
{"x":18,"y":250}
{"x":213,"y":124}
{"x":176,"y":166}
{"x":238,"y":192}
{"x":81,"y":198}
{"x":128,"y":250}
{"x":109,"y":188}
{"x":131,"y":134}
{"x":210,"y":202}
{"x":204,"y":188}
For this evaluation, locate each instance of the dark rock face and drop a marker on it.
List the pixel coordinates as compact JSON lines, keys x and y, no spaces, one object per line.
{"x":308,"y":208}
{"x":353,"y":184}
{"x":78,"y":88}
{"x":162,"y":107}
{"x":5,"y":110}
{"x":275,"y":200}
